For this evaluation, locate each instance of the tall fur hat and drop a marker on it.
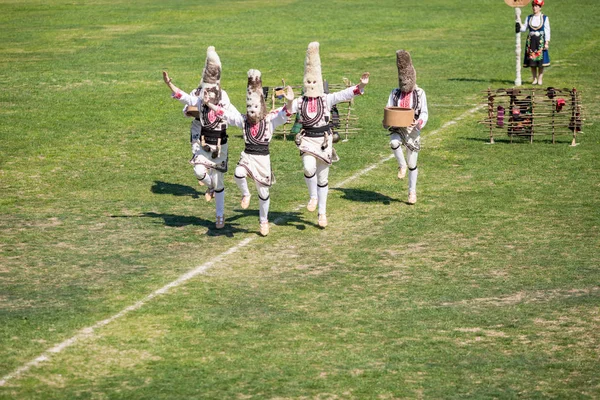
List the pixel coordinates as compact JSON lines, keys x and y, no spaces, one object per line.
{"x":313,"y":80}
{"x":256,"y":109}
{"x":407,"y":76}
{"x":211,"y":75}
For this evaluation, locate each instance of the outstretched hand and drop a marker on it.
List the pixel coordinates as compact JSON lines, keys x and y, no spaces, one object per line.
{"x":364,"y":79}
{"x":289,"y":93}
{"x":166,"y":77}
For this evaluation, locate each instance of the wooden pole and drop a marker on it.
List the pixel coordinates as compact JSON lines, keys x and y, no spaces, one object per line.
{"x":491,"y":114}
{"x":553,"y":113}
{"x":532,"y":114}
{"x":518,"y":48}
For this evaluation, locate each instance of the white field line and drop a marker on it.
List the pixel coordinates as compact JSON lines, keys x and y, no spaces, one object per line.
{"x":435,"y":132}
{"x":86,"y":332}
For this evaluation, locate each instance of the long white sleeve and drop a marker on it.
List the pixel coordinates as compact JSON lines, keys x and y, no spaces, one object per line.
{"x":343,"y":95}
{"x":536,"y":22}
{"x":424,"y":116}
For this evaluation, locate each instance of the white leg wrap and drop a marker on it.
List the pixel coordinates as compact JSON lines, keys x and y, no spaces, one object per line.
{"x":310,"y":174}
{"x":241,"y":182}
{"x":413,"y":172}
{"x":412,"y":179}
{"x":263,"y":209}
{"x":396,"y":146}
{"x":311,"y":183}
{"x":220,"y":203}
{"x":323,"y":192}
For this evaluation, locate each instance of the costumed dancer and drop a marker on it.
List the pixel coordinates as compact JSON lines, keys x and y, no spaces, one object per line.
{"x":315,"y":140}
{"x":537,"y":42}
{"x":258,"y":127}
{"x":408,"y":95}
{"x":208,"y":133}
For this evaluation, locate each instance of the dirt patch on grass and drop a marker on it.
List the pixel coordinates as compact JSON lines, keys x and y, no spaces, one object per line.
{"x":526,"y":297}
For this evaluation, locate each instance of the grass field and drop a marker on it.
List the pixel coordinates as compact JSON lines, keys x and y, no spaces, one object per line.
{"x":488,"y":287}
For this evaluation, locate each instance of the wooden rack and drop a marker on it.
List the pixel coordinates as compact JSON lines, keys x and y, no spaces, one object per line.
{"x":526,"y":113}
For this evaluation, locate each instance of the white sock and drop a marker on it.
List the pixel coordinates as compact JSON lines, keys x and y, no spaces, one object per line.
{"x":311,"y":183}
{"x":323,"y":191}
{"x":220,"y":202}
{"x":242,"y":183}
{"x":263,"y":209}
{"x":412,"y":180}
{"x":400,"y":157}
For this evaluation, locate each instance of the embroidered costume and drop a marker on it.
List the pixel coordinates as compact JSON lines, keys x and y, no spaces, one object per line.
{"x":208,"y":132}
{"x":536,"y":55}
{"x":408,"y":95}
{"x":257,"y":127}
{"x":315,"y":140}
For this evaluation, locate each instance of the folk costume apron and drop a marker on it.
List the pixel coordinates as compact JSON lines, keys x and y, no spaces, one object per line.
{"x":535,"y":55}
{"x":255,"y":158}
{"x":213,"y":132}
{"x":316,"y":137}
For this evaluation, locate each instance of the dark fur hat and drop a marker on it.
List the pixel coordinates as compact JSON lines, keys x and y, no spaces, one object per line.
{"x":407,"y":76}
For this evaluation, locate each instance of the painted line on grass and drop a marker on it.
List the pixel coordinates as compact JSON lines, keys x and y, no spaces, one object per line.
{"x":434,"y":132}
{"x":86,"y":332}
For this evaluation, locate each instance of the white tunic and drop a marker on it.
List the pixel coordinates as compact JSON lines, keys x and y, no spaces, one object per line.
{"x":208,"y":120}
{"x":535,"y":21}
{"x":316,"y":114}
{"x":411,"y":136}
{"x":260,"y":135}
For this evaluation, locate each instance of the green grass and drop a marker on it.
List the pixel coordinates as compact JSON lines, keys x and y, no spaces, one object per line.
{"x":486,"y":288}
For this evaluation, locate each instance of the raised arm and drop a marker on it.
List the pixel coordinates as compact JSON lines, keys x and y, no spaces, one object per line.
{"x":179,"y":94}
{"x":348,"y":93}
{"x":282,"y":115}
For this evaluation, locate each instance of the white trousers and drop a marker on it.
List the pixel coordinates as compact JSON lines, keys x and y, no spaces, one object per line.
{"x":316,"y":175}
{"x":213,"y":180}
{"x":411,"y":157}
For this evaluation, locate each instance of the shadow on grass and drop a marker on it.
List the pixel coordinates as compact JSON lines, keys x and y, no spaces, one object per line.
{"x":365,"y":196}
{"x":504,"y":81}
{"x":174,"y":189}
{"x":293,"y":219}
{"x":178,"y":221}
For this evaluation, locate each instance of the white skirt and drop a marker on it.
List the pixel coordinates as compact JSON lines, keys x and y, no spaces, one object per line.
{"x":312,"y":145}
{"x":202,"y":157}
{"x":258,"y":167}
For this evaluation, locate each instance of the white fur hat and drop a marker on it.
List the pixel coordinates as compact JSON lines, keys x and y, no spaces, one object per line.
{"x":313,"y":80}
{"x":256,"y":108}
{"x":211,"y":75}
{"x":407,"y":76}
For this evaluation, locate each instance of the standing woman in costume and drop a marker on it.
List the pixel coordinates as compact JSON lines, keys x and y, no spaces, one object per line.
{"x":408,"y":95}
{"x":537,"y":42}
{"x":257,"y":127}
{"x":315,"y":140}
{"x":208,"y":131}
